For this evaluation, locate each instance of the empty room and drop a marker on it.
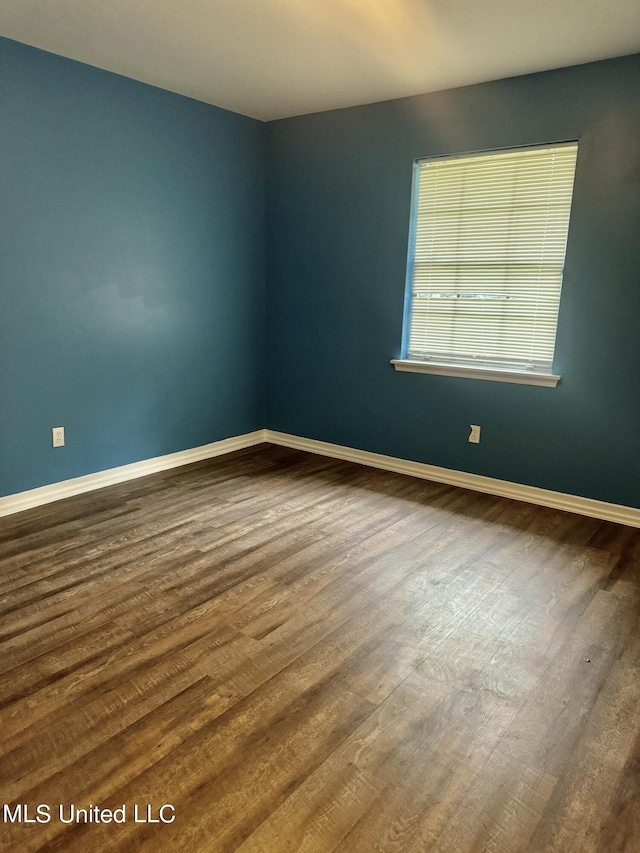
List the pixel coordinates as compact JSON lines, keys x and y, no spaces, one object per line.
{"x":319,"y":422}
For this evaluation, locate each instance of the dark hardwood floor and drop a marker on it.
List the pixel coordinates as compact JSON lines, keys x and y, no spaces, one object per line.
{"x":301,"y":654}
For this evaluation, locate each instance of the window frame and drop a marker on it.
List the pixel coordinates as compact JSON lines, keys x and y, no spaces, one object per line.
{"x":466,"y":370}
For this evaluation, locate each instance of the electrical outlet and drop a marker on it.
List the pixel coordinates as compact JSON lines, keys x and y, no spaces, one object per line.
{"x":474,"y":435}
{"x":58,"y":436}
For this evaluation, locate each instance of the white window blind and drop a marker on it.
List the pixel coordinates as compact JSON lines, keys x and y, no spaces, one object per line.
{"x":490,"y":240}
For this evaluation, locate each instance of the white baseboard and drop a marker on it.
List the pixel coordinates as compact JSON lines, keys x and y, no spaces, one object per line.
{"x":79,"y":485}
{"x":489,"y":485}
{"x":503,"y":488}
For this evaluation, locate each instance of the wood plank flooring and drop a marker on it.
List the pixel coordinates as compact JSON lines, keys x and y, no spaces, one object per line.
{"x":301,"y":654}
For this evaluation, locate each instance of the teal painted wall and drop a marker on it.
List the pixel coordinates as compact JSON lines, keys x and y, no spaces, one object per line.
{"x":338,"y":198}
{"x":132,"y":277}
{"x":131,"y":270}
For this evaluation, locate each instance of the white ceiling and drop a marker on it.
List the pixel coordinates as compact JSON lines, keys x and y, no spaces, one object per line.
{"x":275,"y":58}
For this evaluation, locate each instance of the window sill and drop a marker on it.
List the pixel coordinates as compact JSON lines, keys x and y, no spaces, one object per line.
{"x":493,"y":374}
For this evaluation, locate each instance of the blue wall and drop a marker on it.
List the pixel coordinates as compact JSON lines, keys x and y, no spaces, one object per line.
{"x":132,"y":286}
{"x":338,"y":197}
{"x":131,"y":270}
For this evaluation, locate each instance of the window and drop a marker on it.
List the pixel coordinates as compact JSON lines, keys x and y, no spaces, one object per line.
{"x":486,"y":263}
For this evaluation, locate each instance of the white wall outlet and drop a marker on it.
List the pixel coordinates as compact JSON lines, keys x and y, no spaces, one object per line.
{"x":474,"y":435}
{"x":58,"y":436}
